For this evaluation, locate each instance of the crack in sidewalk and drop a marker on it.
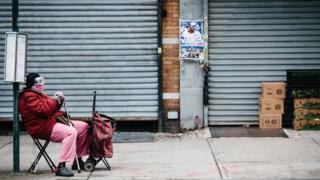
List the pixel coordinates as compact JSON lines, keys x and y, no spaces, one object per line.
{"x":5,"y":144}
{"x":215,"y":159}
{"x":315,"y":141}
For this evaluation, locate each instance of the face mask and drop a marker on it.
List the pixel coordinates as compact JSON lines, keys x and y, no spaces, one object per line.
{"x":38,"y":87}
{"x":38,"y":84}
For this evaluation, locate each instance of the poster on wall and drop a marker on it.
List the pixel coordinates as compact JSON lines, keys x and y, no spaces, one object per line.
{"x":191,"y":39}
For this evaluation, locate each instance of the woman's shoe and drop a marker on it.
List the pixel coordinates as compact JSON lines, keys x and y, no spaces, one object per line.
{"x":64,"y":171}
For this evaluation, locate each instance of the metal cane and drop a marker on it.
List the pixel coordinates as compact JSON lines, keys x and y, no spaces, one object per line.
{"x":70,"y":124}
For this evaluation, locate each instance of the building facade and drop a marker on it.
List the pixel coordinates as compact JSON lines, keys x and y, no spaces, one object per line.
{"x":128,"y":51}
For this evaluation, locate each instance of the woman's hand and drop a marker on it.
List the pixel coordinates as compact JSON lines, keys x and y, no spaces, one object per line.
{"x":60,"y":97}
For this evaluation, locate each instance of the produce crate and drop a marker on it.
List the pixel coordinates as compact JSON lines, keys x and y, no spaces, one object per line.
{"x":306,"y":114}
{"x":304,"y":124}
{"x":307,"y":79}
{"x":299,"y":124}
{"x":298,"y":103}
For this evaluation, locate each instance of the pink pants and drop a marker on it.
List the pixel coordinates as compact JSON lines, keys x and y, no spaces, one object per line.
{"x":74,"y":140}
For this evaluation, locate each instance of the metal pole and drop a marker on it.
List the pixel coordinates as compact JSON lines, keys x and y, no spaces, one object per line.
{"x":16,"y":138}
{"x":160,"y":99}
{"x":70,"y":124}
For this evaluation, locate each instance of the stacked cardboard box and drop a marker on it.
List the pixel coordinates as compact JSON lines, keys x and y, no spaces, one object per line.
{"x":271,"y":104}
{"x":306,"y":113}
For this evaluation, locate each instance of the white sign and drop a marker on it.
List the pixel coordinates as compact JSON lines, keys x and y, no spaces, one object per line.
{"x":15,"y":57}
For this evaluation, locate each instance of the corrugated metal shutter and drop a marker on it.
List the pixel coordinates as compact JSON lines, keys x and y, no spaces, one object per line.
{"x":255,"y":41}
{"x":84,"y":45}
{"x":6,"y":99}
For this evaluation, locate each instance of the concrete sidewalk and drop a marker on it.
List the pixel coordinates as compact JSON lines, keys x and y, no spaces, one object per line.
{"x":192,"y":155}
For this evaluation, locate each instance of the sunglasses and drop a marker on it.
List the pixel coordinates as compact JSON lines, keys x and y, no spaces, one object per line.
{"x":39,"y":80}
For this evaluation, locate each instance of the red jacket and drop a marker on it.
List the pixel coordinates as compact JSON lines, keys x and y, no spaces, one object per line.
{"x":38,"y":112}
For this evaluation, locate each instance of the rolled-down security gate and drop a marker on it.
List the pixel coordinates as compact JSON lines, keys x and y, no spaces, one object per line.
{"x":81,"y":46}
{"x":255,"y":41}
{"x":6,"y":99}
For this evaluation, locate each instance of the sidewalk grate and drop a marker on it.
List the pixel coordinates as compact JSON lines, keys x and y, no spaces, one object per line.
{"x":130,"y":137}
{"x":244,"y":131}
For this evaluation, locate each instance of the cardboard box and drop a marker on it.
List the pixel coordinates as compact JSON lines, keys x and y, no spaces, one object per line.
{"x":298,"y":103}
{"x":314,"y":100}
{"x":300,"y":124}
{"x":271,"y":106}
{"x":273,"y":90}
{"x":300,"y":113}
{"x":314,"y":122}
{"x":267,"y":121}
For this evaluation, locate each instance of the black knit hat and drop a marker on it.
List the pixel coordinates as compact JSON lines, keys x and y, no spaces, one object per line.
{"x":30,"y":79}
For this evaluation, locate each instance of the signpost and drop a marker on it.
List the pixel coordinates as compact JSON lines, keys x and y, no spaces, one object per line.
{"x":15,"y":57}
{"x":10,"y":66}
{"x":14,"y":71}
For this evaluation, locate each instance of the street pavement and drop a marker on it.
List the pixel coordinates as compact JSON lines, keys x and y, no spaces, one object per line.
{"x":189,"y":155}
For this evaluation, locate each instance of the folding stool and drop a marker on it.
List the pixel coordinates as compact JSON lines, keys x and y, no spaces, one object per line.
{"x":42,"y":151}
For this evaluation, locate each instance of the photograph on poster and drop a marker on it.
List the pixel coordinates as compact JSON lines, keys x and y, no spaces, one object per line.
{"x":191,"y":52}
{"x":191,"y":40}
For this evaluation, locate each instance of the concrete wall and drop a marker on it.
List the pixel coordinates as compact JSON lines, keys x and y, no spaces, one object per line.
{"x":191,"y":75}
